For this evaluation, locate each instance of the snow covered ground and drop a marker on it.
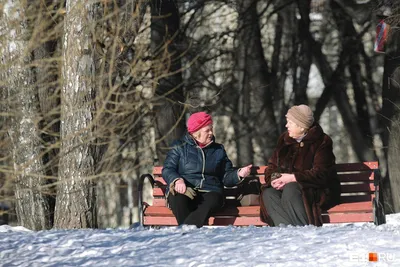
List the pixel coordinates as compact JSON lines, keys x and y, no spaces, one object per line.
{"x":330,"y":245}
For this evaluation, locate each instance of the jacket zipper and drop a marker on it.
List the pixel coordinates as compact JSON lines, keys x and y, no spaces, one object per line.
{"x":204,"y":166}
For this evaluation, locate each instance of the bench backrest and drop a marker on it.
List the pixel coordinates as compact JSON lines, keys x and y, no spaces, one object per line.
{"x":357,"y":184}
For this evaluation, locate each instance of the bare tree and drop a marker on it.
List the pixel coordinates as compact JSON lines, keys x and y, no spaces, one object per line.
{"x":305,"y":55}
{"x":166,"y":42}
{"x":253,"y":87}
{"x":32,"y":203}
{"x":351,"y":45}
{"x":123,"y":82}
{"x":75,"y":203}
{"x":391,"y":104}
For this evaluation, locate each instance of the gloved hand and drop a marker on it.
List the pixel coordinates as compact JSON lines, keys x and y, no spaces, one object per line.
{"x":189,"y":192}
{"x":275,"y":175}
{"x":245,"y":171}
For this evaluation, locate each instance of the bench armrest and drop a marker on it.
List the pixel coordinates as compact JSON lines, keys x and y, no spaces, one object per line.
{"x":140,"y":194}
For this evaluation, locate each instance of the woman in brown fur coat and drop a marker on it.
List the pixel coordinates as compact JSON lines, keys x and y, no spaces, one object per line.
{"x":301,"y":178}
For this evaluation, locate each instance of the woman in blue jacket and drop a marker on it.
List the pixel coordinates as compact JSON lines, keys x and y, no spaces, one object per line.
{"x":196,"y":170}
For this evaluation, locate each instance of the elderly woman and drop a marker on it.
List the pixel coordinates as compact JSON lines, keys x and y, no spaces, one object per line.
{"x":301,"y":178}
{"x":196,"y":170}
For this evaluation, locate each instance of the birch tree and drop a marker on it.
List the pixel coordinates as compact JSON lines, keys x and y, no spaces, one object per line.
{"x":75,"y":203}
{"x":32,"y":202}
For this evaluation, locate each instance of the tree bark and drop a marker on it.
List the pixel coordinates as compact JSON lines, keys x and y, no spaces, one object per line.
{"x":283,"y":54}
{"x":254,"y":93}
{"x":305,"y":55}
{"x":122,"y":87}
{"x":335,"y":87}
{"x":165,"y":41}
{"x":352,"y":45}
{"x":32,"y":202}
{"x":391,"y":115}
{"x":359,"y":12}
{"x":75,"y":203}
{"x":46,"y":70}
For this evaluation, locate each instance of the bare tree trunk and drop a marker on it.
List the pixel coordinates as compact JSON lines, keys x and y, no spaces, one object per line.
{"x":360,"y":135}
{"x":335,"y":83}
{"x":254,"y":93}
{"x":359,"y":12}
{"x":284,"y":53}
{"x":122,"y":68}
{"x":6,"y":191}
{"x":391,"y":115}
{"x":32,"y":203}
{"x":49,"y":101}
{"x":276,"y":64}
{"x":353,"y":44}
{"x":335,"y":87}
{"x":46,"y":70}
{"x":75,"y":203}
{"x":165,"y":41}
{"x":305,"y":55}
{"x":5,"y":181}
{"x":243,"y":138}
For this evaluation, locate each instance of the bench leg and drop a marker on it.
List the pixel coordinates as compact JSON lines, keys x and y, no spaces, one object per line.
{"x":378,"y":209}
{"x":379,"y":212}
{"x":141,"y":205}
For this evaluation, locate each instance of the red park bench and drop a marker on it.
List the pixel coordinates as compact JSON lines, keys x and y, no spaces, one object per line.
{"x":361,"y":200}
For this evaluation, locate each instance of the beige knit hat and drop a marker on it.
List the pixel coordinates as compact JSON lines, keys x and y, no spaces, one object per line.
{"x":302,"y":115}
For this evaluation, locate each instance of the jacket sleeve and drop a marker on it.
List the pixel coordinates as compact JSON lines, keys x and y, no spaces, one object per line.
{"x":231,"y":176}
{"x":273,"y":162}
{"x":323,"y":167}
{"x":171,"y":164}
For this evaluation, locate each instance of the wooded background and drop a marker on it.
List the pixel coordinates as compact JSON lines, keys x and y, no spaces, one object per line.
{"x":93,"y":92}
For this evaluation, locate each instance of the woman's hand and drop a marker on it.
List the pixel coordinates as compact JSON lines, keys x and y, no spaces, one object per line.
{"x":245,"y":171}
{"x":180,"y":186}
{"x":280,"y":183}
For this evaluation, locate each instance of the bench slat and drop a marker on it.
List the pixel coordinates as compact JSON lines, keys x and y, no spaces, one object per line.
{"x":355,"y":198}
{"x":161,"y":202}
{"x":358,"y":166}
{"x":348,"y":217}
{"x":229,"y":211}
{"x":256,"y":221}
{"x":254,"y":211}
{"x":346,"y":188}
{"x":356,"y":177}
{"x":357,"y":188}
{"x":343,"y":177}
{"x":340,"y":167}
{"x":254,"y":170}
{"x":352,"y":207}
{"x":236,"y":221}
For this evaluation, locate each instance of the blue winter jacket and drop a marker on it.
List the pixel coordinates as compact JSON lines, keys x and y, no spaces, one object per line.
{"x":206,"y":169}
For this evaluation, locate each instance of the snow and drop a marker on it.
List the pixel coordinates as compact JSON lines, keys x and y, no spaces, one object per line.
{"x":330,"y":245}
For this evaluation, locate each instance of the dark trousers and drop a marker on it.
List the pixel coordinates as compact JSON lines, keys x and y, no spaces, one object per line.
{"x":285,"y":206}
{"x":196,"y":211}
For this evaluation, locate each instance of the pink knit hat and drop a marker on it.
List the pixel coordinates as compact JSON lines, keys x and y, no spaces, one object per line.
{"x":302,"y":115}
{"x":197,"y":121}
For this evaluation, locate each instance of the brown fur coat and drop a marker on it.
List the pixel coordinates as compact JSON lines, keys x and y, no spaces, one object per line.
{"x":313,"y":163}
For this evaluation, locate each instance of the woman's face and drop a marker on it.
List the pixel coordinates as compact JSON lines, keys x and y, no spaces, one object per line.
{"x":293,"y":129}
{"x":204,"y":135}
